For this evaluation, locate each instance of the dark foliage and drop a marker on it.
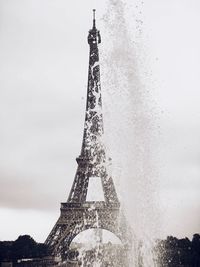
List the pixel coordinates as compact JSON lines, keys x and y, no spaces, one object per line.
{"x":173,"y":252}
{"x":24,"y":247}
{"x":179,"y":252}
{"x":6,"y":250}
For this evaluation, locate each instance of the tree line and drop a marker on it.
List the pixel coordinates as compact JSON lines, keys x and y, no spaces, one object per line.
{"x":24,"y":247}
{"x":179,"y":252}
{"x":171,"y":252}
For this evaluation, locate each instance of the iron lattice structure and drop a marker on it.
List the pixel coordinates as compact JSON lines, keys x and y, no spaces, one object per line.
{"x":78,"y":214}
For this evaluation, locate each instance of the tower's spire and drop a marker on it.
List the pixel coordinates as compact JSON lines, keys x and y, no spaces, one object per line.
{"x":93,"y":129}
{"x":94,"y":37}
{"x":92,"y":159}
{"x":94,"y":19}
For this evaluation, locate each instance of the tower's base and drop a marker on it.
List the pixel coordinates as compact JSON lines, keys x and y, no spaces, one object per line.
{"x":78,"y":217}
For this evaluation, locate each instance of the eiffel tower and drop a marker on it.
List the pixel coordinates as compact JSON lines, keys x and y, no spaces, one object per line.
{"x":78,"y":213}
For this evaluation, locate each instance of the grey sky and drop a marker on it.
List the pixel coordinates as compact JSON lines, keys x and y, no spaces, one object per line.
{"x":43,"y":78}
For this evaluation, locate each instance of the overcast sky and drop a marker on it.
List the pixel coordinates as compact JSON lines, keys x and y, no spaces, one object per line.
{"x":43,"y":78}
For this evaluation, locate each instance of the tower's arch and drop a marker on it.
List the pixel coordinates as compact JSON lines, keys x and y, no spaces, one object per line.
{"x":92,"y":235}
{"x":109,"y":219}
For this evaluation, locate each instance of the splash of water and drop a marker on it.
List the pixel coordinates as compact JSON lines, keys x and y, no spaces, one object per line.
{"x":130,"y":129}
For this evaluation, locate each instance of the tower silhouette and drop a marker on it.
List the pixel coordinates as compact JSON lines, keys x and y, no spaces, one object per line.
{"x":78,"y":213}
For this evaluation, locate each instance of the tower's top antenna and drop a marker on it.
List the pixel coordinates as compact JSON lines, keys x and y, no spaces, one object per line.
{"x":94,"y":19}
{"x":94,"y":10}
{"x":94,"y":35}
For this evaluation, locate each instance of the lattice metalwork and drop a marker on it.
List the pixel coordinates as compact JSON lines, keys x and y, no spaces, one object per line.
{"x":78,"y":214}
